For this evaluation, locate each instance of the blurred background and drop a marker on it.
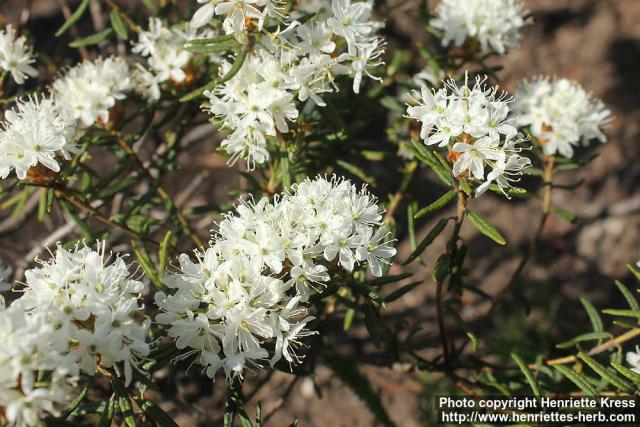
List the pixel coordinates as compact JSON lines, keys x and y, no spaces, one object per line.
{"x":597,"y":43}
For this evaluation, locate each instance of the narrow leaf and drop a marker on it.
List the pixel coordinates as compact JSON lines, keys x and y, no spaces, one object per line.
{"x":398,"y":293}
{"x":485,"y":228}
{"x":623,"y":313}
{"x":118,"y":25}
{"x":591,"y":336}
{"x":157,"y":415}
{"x":74,"y":403}
{"x":594,"y":316}
{"x":577,"y":380}
{"x":632,"y":375}
{"x":631,"y":300}
{"x":442,"y":201}
{"x":429,"y":238}
{"x":528,"y":375}
{"x":73,"y":18}
{"x":93,"y":39}
{"x":616,"y":381}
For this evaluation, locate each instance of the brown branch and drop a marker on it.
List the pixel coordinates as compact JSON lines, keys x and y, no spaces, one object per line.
{"x":162,"y":192}
{"x":614,"y":342}
{"x":64,"y":193}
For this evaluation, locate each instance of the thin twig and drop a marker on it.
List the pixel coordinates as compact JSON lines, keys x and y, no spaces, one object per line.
{"x":399,"y":195}
{"x":64,"y":193}
{"x":549,"y":170}
{"x":614,"y":342}
{"x":162,"y":192}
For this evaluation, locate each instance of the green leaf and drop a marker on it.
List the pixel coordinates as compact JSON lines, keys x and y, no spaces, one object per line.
{"x":398,"y":293}
{"x":411,"y":228}
{"x":157,"y":415}
{"x":259,"y":414}
{"x":623,"y":313}
{"x":631,"y":300}
{"x":429,"y":238}
{"x":391,"y":103}
{"x":634,"y":271}
{"x":614,"y":380}
{"x":150,"y":5}
{"x":567,"y":216}
{"x":92,"y":39}
{"x":427,"y":157}
{"x":348,"y":319}
{"x":632,"y":375}
{"x":372,"y":325}
{"x":77,"y":14}
{"x":145,"y":263}
{"x":66,"y":413}
{"x":118,"y":25}
{"x":357,"y":171}
{"x":462,"y":325}
{"x":485,"y":228}
{"x":107,"y":415}
{"x":124,"y":403}
{"x":594,"y":316}
{"x":387,"y":279}
{"x":79,"y":222}
{"x":577,"y":380}
{"x":441,"y":268}
{"x":442,"y":201}
{"x":528,"y":375}
{"x":163,"y":253}
{"x":591,"y":336}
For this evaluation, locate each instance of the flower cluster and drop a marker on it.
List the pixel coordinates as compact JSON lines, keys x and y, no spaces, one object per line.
{"x":16,"y":56}
{"x":239,"y":15}
{"x":90,"y":89}
{"x":560,"y":114}
{"x":34,"y":132}
{"x":243,"y":294}
{"x":300,"y":63}
{"x":78,"y":310}
{"x":168,"y":60}
{"x":472,"y":124}
{"x":493,"y":23}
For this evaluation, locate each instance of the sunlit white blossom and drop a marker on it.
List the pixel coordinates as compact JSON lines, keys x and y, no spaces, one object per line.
{"x":495,"y":24}
{"x":248,"y":289}
{"x":90,"y":89}
{"x":560,"y":114}
{"x":473,"y":124}
{"x":34,"y":132}
{"x":16,"y":56}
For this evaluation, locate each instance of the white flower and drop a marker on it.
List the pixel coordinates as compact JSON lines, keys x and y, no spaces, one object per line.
{"x":245,"y":292}
{"x":204,"y":13}
{"x":314,"y":39}
{"x":94,"y":301}
{"x":16,"y":56}
{"x":560,"y":113}
{"x":351,"y":21}
{"x":167,"y":57}
{"x":633,"y":359}
{"x":30,"y":347}
{"x":34,"y":132}
{"x":90,"y":89}
{"x":473,"y":124}
{"x":494,"y":23}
